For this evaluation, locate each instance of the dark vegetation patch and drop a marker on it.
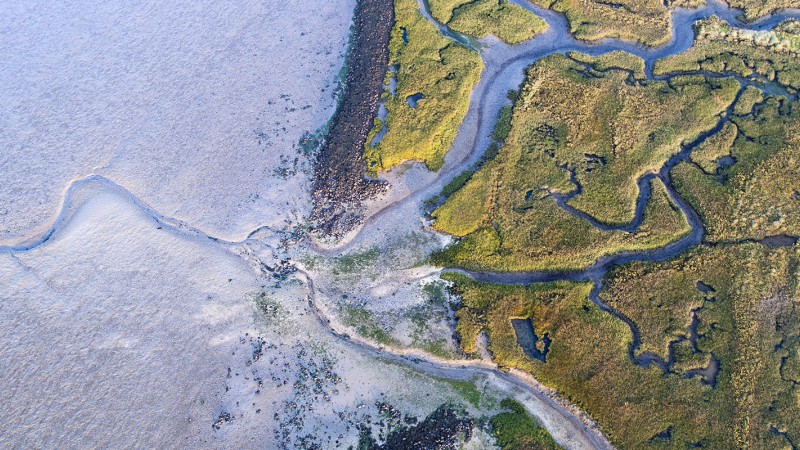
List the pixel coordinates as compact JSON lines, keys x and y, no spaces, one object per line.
{"x":516,"y":430}
{"x":457,"y":183}
{"x":340,"y":183}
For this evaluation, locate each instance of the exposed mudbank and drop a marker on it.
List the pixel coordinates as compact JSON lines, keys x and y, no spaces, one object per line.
{"x":340,"y":182}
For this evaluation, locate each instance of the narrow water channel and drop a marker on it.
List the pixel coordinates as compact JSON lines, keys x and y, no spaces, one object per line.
{"x":504,"y":70}
{"x":557,"y":39}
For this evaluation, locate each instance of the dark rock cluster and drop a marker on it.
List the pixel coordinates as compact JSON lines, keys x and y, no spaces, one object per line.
{"x":340,"y":183}
{"x":315,"y":381}
{"x":444,"y":429}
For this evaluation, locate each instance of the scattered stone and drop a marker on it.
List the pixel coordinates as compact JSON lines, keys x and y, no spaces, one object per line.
{"x":340,"y":184}
{"x":223,"y":418}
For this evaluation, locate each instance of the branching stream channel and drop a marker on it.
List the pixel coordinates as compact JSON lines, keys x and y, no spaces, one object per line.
{"x":504,"y":71}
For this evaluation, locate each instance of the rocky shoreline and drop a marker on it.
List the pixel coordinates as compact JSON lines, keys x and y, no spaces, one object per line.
{"x":340,"y":183}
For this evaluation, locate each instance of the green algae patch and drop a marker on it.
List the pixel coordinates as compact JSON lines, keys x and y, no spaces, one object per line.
{"x":440,"y":74}
{"x":516,"y":430}
{"x":365,"y":324}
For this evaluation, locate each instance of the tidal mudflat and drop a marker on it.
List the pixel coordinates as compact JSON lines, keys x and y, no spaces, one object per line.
{"x":400,"y":224}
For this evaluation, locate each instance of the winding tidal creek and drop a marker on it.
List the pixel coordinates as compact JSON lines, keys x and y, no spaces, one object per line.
{"x":504,"y":70}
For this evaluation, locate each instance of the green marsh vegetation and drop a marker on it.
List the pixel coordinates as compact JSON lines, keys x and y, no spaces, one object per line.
{"x":608,"y":129}
{"x":479,"y":18}
{"x":748,"y":320}
{"x":744,"y":181}
{"x":588,"y":361}
{"x":750,"y":97}
{"x":759,"y":194}
{"x":542,"y":236}
{"x":644,"y":21}
{"x":730,"y":301}
{"x":760,"y":8}
{"x":616,"y":59}
{"x":443,"y":72}
{"x":707,"y":155}
{"x":596,"y":124}
{"x":516,"y":430}
{"x":499,"y":134}
{"x":720,"y":48}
